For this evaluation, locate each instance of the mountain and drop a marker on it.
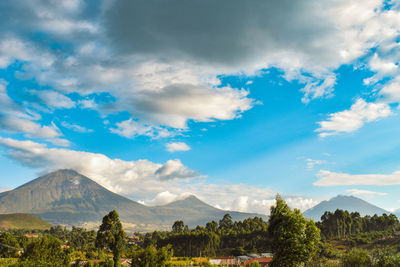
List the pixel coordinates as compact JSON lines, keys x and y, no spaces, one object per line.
{"x":22,"y":221}
{"x":349,"y":203}
{"x":194,"y":212}
{"x":68,"y":198}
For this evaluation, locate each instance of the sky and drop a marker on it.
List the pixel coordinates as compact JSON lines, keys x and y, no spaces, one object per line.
{"x":232,"y":101}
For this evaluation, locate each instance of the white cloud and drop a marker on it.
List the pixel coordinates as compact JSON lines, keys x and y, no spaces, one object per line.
{"x":131,"y":128}
{"x":76,"y":127}
{"x":172,"y":75}
{"x":311,"y":163}
{"x":354,"y":118}
{"x":177,"y":146}
{"x":166,"y":197}
{"x":146,"y":181}
{"x":328,"y":178}
{"x":54,"y":99}
{"x":28,"y":127}
{"x":174,"y":169}
{"x":16,"y":119}
{"x":115,"y":174}
{"x":391,"y":90}
{"x":365,"y":192}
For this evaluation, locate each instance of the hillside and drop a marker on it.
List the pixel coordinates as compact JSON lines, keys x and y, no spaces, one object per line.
{"x":69,"y":198}
{"x":22,"y":221}
{"x":349,"y":203}
{"x":195,"y":212}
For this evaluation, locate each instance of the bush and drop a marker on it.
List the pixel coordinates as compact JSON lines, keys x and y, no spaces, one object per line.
{"x":356,"y":258}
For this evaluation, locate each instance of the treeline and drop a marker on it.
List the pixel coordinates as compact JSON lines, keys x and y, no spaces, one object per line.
{"x":341,"y":224}
{"x":223,"y":238}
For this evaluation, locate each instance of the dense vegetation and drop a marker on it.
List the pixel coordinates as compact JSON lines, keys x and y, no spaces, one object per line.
{"x":347,"y":239}
{"x":342,"y":224}
{"x":222,"y":238}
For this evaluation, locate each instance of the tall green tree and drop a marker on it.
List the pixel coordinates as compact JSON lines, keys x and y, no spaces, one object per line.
{"x":226,"y":222}
{"x":111,"y":235}
{"x":178,"y":226}
{"x":295,"y":240}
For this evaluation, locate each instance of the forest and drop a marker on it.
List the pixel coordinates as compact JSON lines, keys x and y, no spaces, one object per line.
{"x":339,"y":239}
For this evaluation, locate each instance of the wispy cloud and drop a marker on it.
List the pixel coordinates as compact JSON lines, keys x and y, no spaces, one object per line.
{"x":365,"y":192}
{"x":328,"y":178}
{"x":311,"y":163}
{"x":76,"y":127}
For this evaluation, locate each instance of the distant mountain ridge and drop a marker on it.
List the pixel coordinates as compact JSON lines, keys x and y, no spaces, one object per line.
{"x":69,"y":198}
{"x":349,"y":203}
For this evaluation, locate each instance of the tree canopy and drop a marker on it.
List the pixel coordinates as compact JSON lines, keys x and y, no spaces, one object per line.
{"x":295,"y":240}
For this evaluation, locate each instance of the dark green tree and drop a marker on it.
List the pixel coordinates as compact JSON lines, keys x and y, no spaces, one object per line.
{"x":46,"y":251}
{"x":295,"y":240}
{"x":111,"y":235}
{"x":9,"y":245}
{"x":151,"y":257}
{"x":178,"y":226}
{"x":226,"y":222}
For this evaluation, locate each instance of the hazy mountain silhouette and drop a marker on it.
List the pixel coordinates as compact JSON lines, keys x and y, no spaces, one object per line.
{"x":349,"y":203}
{"x":69,"y":198}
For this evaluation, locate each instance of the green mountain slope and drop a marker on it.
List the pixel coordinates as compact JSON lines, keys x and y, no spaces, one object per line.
{"x":349,"y":203}
{"x":69,"y":198}
{"x":22,"y":221}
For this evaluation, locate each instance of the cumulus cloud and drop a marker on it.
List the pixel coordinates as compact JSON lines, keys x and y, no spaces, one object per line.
{"x":115,"y":174}
{"x":391,"y":90}
{"x":355,"y":191}
{"x":146,"y":181}
{"x":163,"y":78}
{"x":174,"y":169}
{"x":328,"y":178}
{"x":354,"y":118}
{"x":177,"y":146}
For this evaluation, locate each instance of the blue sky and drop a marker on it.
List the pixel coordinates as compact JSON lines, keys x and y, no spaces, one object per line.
{"x":231,"y":101}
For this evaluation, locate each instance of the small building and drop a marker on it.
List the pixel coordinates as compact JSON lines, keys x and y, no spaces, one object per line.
{"x":230,"y":261}
{"x":31,"y":235}
{"x":266,"y":255}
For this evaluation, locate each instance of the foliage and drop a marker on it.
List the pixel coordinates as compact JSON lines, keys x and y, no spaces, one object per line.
{"x":295,"y":240}
{"x":254,"y":264}
{"x":45,"y":250}
{"x":233,"y":238}
{"x":178,"y":227}
{"x":9,"y":245}
{"x":151,"y":257}
{"x":341,"y":223}
{"x":356,"y":258}
{"x":111,"y":235}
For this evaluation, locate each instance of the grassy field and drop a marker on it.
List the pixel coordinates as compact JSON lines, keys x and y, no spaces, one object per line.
{"x":22,"y":221}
